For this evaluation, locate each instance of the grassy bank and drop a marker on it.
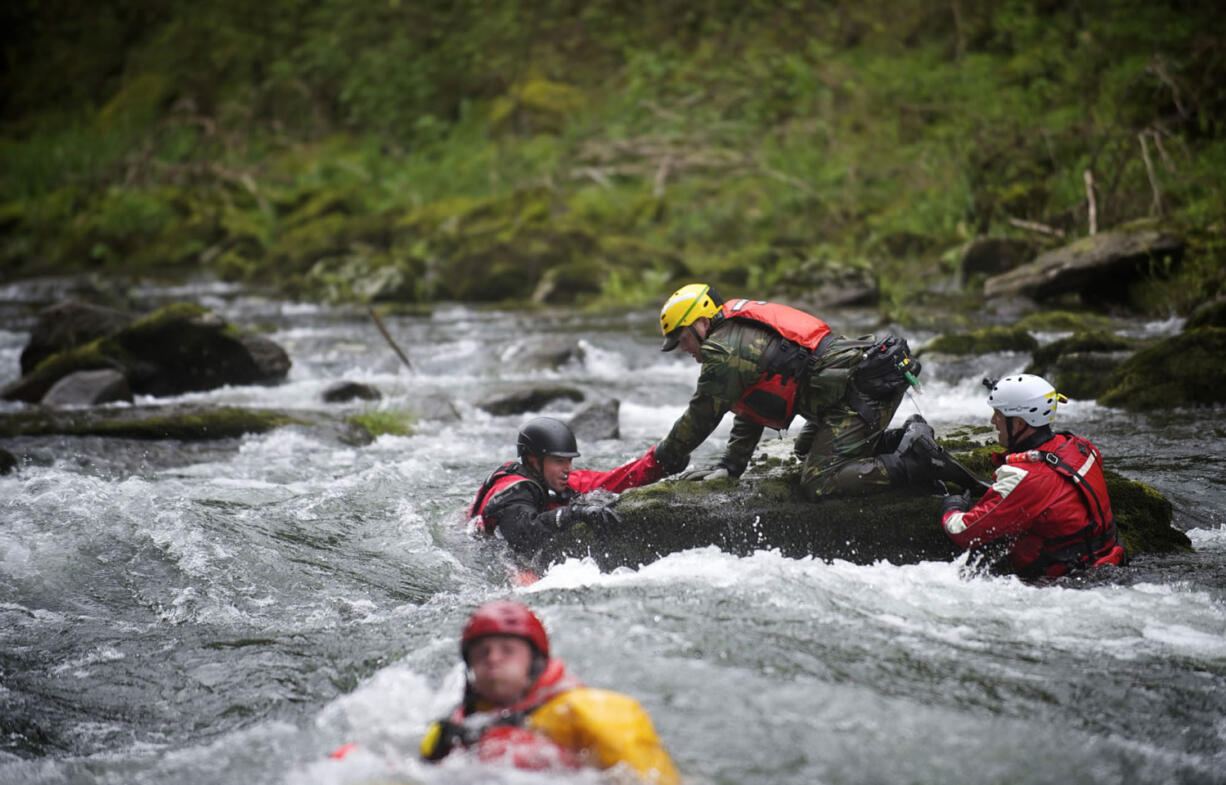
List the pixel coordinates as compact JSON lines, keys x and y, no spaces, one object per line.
{"x":601,"y":152}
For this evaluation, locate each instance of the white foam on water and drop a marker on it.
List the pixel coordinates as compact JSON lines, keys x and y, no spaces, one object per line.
{"x":936,"y":600}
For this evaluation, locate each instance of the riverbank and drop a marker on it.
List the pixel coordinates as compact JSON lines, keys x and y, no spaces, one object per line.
{"x":601,"y":155}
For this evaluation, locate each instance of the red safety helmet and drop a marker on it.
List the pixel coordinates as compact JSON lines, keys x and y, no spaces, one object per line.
{"x":504,"y":617}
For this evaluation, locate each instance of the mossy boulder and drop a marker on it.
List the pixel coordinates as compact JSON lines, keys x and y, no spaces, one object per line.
{"x":183,"y":422}
{"x":1183,"y":370}
{"x":987,"y":256}
{"x":1062,"y":321}
{"x":1209,"y":314}
{"x":764,"y":511}
{"x":1080,"y":365}
{"x":68,"y":324}
{"x":1100,"y":269}
{"x":181,"y":348}
{"x":982,"y":341}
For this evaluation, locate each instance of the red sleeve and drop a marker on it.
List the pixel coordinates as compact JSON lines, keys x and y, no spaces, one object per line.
{"x":638,"y":472}
{"x":1017,"y":497}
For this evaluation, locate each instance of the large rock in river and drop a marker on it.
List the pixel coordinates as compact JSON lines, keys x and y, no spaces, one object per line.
{"x":1100,"y":268}
{"x":1183,"y":370}
{"x":764,"y":511}
{"x":181,"y":348}
{"x":67,"y":324}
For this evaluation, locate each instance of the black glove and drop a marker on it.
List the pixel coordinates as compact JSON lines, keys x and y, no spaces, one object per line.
{"x":599,"y":516}
{"x":956,"y":501}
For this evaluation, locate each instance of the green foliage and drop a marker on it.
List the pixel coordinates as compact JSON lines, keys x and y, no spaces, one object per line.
{"x":309,"y":141}
{"x":379,"y":422}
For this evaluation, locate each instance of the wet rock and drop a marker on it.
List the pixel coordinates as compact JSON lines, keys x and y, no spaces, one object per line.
{"x":820,"y":283}
{"x":66,"y":325}
{"x":1080,"y":365}
{"x":597,"y":421}
{"x":184,"y":422}
{"x":180,"y":348}
{"x":89,"y":388}
{"x":1100,"y":269}
{"x":1057,"y":321}
{"x":528,"y":399}
{"x":985,"y":257}
{"x":764,"y":511}
{"x":988,"y":339}
{"x":343,"y":392}
{"x":8,"y":461}
{"x":434,"y":407}
{"x":545,"y":352}
{"x":1210,"y":314}
{"x":1183,"y":370}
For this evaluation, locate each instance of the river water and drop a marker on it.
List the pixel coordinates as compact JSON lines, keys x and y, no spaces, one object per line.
{"x":233,"y":611}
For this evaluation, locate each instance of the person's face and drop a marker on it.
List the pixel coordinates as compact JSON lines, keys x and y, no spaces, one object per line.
{"x":691,"y":339}
{"x":556,"y":471}
{"x":500,"y":666}
{"x":1002,"y":428}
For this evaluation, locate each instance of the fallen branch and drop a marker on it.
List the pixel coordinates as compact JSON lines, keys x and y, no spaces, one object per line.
{"x":391,"y":342}
{"x":1034,"y":226}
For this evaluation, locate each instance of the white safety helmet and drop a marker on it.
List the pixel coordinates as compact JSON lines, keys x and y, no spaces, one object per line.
{"x":1027,"y":396}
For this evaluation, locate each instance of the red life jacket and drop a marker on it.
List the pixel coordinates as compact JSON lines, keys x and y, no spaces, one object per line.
{"x":1078,"y":461}
{"x":638,"y":472}
{"x":771,"y":401}
{"x":508,"y":740}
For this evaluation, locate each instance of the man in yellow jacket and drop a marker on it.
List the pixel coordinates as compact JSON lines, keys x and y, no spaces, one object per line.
{"x":523,"y":709}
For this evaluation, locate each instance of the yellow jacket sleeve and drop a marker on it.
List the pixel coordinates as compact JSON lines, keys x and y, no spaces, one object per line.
{"x":607,"y":728}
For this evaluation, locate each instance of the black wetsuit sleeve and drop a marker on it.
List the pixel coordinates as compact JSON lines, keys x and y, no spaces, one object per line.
{"x":516,"y":511}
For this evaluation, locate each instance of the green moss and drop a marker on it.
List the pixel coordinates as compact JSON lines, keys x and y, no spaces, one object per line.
{"x":384,"y":421}
{"x":1080,"y":365}
{"x":1184,"y":370}
{"x":194,"y":425}
{"x":1144,"y":517}
{"x":1064,"y":321}
{"x":988,"y":339}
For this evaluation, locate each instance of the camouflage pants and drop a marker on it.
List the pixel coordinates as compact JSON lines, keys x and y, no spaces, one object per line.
{"x":838,"y":444}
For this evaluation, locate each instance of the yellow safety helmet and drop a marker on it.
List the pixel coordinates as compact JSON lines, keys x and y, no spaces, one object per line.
{"x":686,"y":305}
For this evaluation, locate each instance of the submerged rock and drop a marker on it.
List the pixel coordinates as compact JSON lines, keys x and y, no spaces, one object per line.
{"x":1183,"y":370}
{"x":180,"y":348}
{"x":8,"y":461}
{"x":765,"y":512}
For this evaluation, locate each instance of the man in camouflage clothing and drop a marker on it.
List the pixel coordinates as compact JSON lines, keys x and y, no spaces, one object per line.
{"x":768,"y":363}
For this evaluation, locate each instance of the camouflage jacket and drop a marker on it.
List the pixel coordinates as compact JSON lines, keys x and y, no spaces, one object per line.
{"x":731,"y":363}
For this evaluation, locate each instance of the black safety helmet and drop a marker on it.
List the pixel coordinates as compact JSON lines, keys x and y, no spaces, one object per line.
{"x":547,"y":436}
